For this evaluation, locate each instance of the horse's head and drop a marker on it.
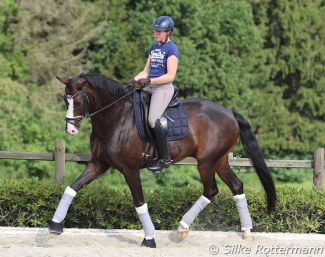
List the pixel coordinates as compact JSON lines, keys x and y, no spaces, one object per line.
{"x":89,"y":92}
{"x":76,"y":101}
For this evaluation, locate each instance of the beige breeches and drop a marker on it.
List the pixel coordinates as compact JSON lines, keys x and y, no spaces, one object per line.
{"x":160,"y":98}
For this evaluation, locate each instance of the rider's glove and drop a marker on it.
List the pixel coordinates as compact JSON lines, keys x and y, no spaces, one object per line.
{"x":131,"y":83}
{"x":144,"y":82}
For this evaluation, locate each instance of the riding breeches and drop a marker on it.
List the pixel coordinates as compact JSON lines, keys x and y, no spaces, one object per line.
{"x":160,"y":98}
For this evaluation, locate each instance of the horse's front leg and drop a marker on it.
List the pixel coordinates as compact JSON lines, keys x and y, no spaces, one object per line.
{"x":134,"y":182}
{"x":92,"y":171}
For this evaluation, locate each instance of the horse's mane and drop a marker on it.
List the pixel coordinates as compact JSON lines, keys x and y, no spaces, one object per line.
{"x":110,"y":86}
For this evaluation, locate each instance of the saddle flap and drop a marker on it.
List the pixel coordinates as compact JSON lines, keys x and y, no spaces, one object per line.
{"x":145,"y":97}
{"x":177,"y":123}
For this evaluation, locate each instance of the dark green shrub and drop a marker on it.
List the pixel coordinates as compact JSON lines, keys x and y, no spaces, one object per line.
{"x":32,"y":203}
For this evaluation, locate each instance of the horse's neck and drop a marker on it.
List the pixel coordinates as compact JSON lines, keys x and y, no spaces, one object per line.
{"x":110,"y":118}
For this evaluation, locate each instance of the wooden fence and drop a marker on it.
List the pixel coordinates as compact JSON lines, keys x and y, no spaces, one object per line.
{"x":60,"y":157}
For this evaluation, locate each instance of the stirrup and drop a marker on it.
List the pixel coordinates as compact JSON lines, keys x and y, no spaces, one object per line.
{"x":159,"y":165}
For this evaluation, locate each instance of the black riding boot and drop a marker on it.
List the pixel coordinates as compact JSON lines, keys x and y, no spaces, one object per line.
{"x":161,"y":143}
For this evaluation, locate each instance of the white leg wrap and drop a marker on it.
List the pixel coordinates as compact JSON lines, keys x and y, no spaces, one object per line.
{"x":190,"y":216}
{"x":245,"y":217}
{"x":149,"y":228}
{"x":62,"y":209}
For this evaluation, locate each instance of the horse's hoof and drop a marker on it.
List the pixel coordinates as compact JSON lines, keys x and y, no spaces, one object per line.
{"x":149,"y":243}
{"x":248,"y":236}
{"x":182,"y":232}
{"x":56,"y":228}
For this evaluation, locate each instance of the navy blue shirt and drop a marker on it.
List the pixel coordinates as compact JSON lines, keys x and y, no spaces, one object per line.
{"x":159,"y":55}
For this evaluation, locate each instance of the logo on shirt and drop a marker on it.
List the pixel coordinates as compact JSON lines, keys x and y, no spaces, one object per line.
{"x":157,"y":58}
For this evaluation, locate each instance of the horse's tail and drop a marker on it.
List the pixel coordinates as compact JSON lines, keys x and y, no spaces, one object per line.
{"x":254,"y":152}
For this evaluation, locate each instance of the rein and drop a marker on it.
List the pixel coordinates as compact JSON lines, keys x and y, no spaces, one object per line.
{"x":109,"y":105}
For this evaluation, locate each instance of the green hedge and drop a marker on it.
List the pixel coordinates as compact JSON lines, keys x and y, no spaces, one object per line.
{"x":31,"y":203}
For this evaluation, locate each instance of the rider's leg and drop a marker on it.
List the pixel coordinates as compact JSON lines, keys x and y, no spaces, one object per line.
{"x":161,"y":143}
{"x":161,"y":96}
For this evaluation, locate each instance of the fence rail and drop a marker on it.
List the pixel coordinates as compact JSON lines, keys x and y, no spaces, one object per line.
{"x":60,"y":157}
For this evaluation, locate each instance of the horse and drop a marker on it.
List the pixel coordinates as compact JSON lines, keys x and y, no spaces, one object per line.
{"x":213,"y":131}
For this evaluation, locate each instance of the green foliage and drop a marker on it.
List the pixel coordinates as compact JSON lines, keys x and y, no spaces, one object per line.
{"x":31,"y":124}
{"x":32,"y":203}
{"x":11,"y":52}
{"x":293,"y":175}
{"x":56,"y":35}
{"x":296,"y":33}
{"x":292,"y":63}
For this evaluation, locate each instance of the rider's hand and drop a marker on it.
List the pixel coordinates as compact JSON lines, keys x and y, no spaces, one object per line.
{"x":131,"y":83}
{"x":144,"y":82}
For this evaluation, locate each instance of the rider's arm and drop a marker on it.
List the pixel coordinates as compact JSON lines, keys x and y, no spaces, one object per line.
{"x":172,"y":64}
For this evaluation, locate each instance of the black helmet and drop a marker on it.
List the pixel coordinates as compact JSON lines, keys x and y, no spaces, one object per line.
{"x":163,"y":23}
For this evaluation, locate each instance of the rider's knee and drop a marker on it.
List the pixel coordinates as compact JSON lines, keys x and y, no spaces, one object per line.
{"x":152,"y":123}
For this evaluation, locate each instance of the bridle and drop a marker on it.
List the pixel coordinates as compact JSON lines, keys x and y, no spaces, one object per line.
{"x":78,"y":119}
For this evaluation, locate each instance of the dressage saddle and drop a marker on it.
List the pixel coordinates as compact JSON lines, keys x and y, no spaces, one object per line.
{"x":174,"y":119}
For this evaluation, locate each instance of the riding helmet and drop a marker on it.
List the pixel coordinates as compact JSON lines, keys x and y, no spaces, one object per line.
{"x":164,"y":23}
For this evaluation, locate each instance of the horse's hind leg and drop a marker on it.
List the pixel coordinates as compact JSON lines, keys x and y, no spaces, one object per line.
{"x":207,"y":174}
{"x":91,"y":172}
{"x":236,"y":186}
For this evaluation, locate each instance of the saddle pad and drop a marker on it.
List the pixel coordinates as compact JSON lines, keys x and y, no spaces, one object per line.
{"x":175,"y":130}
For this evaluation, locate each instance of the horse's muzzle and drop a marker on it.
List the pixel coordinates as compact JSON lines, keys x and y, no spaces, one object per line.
{"x":71,"y":129}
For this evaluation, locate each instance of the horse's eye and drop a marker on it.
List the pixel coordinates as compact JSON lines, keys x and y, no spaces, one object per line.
{"x":77,"y":103}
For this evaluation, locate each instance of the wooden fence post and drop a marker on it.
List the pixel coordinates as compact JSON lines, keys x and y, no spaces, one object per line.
{"x":59,"y":161}
{"x":318,"y":168}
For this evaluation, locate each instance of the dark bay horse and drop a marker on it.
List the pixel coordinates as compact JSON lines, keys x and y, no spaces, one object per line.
{"x":213,"y":132}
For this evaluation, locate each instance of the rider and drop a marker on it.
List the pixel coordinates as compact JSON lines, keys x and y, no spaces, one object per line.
{"x":157,"y":78}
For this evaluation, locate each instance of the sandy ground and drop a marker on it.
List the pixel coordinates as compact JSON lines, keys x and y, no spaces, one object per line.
{"x":23,"y":242}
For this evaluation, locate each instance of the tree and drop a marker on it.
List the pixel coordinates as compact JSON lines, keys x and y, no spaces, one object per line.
{"x":292,"y":63}
{"x":56,"y":35}
{"x":11,"y":54}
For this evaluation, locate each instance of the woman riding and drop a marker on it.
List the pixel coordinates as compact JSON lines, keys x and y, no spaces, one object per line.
{"x":157,"y":78}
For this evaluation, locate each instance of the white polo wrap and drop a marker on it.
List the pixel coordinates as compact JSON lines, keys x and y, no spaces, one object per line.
{"x":149,"y":228}
{"x":245,"y":217}
{"x":62,"y":209}
{"x":190,"y":216}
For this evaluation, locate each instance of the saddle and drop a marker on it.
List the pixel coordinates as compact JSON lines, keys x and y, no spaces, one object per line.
{"x":174,"y":120}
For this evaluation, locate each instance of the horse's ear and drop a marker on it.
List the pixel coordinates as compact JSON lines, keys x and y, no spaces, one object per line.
{"x":62,"y":80}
